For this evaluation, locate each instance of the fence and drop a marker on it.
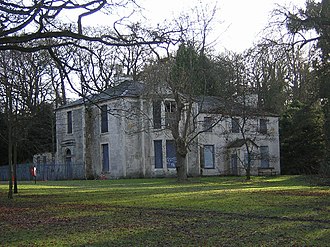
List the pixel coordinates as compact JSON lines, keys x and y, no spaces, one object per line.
{"x":45,"y":172}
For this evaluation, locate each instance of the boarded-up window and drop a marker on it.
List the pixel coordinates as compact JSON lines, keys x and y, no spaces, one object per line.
{"x":158,"y":154}
{"x":264,"y":156}
{"x":69,"y":122}
{"x":263,"y":126}
{"x":157,"y":117}
{"x":170,"y":154}
{"x":235,"y":125}
{"x":105,"y":158}
{"x":234,"y":164}
{"x":208,"y":121}
{"x":104,"y":119}
{"x":208,"y":156}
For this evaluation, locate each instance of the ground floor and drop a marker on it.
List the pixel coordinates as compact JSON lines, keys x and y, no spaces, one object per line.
{"x":159,"y":159}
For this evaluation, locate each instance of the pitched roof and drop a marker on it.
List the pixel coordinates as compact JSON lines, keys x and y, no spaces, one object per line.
{"x":217,"y":105}
{"x":206,"y":104}
{"x":127,"y":88}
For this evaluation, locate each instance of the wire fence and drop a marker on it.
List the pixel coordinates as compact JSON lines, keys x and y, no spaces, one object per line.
{"x":45,"y":172}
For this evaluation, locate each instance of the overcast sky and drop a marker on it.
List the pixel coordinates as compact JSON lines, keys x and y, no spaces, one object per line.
{"x":242,"y":20}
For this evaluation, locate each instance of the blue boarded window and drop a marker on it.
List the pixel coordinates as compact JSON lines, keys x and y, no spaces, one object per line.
{"x":170,"y":154}
{"x":264,"y":155}
{"x":105,"y":158}
{"x":209,"y":156}
{"x":158,"y":154}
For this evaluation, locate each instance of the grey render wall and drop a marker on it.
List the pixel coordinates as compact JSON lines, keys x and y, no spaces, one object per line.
{"x":70,"y":141}
{"x":131,"y":140}
{"x":221,"y":137}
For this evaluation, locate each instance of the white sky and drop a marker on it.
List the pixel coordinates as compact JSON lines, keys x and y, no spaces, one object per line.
{"x":242,"y":20}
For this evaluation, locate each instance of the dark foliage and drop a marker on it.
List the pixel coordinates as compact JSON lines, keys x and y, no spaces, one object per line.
{"x":302,"y":139}
{"x":34,"y":133}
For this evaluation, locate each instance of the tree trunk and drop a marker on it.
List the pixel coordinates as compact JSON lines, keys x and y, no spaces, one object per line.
{"x":15,"y":169}
{"x":181,"y":153}
{"x":10,"y":160}
{"x":9,"y":108}
{"x":181,"y":168}
{"x":248,"y":169}
{"x":89,"y":173}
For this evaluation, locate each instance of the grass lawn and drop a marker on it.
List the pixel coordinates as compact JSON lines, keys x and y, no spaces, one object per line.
{"x":217,"y":211}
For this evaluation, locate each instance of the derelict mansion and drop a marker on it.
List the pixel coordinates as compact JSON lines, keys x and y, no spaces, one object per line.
{"x":122,"y":133}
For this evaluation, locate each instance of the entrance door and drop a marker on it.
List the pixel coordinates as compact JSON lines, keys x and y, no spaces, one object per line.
{"x":68,"y":163}
{"x":233,"y":162}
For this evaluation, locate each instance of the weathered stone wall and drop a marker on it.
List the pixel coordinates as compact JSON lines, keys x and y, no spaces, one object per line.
{"x":70,"y":141}
{"x":131,"y":138}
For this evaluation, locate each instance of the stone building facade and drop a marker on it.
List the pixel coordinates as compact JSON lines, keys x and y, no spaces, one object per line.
{"x":122,"y":133}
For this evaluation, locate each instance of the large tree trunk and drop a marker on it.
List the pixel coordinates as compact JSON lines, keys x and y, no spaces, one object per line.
{"x":248,"y":170}
{"x":181,"y":153}
{"x":181,"y":168}
{"x":88,"y":143}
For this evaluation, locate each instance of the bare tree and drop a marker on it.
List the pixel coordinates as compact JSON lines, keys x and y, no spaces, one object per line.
{"x":24,"y":86}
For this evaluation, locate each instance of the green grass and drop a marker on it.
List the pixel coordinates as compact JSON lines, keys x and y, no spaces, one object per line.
{"x":217,"y":211}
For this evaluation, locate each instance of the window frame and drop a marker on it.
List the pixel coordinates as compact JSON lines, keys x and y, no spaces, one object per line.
{"x":105,"y":147}
{"x":170,"y":109}
{"x":104,"y":119}
{"x":157,"y":114}
{"x":69,"y":122}
{"x":263,"y":126}
{"x":235,"y":128}
{"x":174,"y":159}
{"x":157,"y":144}
{"x":264,"y":157}
{"x":207,"y":124}
{"x":205,"y":165}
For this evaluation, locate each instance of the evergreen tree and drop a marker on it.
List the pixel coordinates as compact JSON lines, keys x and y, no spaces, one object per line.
{"x":302,"y":139}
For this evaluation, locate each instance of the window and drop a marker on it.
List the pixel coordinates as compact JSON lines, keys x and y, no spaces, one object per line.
{"x":105,"y":158}
{"x":234,"y":164}
{"x":170,"y":154}
{"x":264,"y":156}
{"x":69,"y":122}
{"x":170,"y":109}
{"x":104,"y":119}
{"x":208,"y":121}
{"x":157,"y":117}
{"x":235,"y":125}
{"x":208,"y":152}
{"x":68,"y":157}
{"x":158,"y":154}
{"x":263,"y":126}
